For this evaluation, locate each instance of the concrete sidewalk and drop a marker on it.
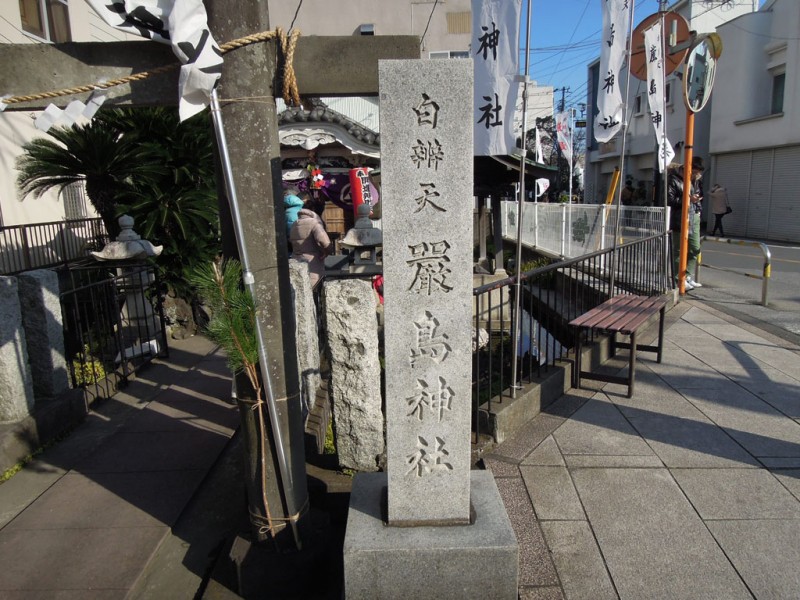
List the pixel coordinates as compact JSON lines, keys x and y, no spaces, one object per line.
{"x":85,"y":518}
{"x":687,"y":490}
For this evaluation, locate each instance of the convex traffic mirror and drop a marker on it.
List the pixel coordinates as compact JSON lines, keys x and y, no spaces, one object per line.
{"x":699,"y":75}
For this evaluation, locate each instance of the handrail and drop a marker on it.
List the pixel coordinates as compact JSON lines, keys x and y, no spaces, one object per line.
{"x":766,"y":271}
{"x":567,"y":262}
{"x":43,"y":245}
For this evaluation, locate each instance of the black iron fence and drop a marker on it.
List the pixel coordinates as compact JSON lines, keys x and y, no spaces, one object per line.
{"x":43,"y":245}
{"x":550,"y":297}
{"x":113,"y":324}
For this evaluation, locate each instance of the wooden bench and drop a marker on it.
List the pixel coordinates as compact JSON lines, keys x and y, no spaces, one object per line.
{"x":624,"y":314}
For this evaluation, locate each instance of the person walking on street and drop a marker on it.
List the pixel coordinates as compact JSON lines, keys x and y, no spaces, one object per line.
{"x":720,"y":207}
{"x":675,"y":201}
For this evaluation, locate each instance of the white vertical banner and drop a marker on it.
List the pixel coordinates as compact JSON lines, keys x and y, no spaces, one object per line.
{"x":654,"y":49}
{"x":542,"y":185}
{"x":564,"y":135}
{"x":539,"y":152}
{"x":184,"y":25}
{"x":495,"y":53}
{"x":612,"y":55}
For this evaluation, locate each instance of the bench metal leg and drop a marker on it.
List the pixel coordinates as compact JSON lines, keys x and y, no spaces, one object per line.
{"x":576,"y":376}
{"x":660,"y":333}
{"x":632,"y":365}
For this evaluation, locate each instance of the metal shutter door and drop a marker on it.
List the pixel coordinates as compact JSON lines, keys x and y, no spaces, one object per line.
{"x":758,"y":208}
{"x":784,"y":215}
{"x":733,"y":172}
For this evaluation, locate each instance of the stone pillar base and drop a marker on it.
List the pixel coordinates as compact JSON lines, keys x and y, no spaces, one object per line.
{"x":469,"y":561}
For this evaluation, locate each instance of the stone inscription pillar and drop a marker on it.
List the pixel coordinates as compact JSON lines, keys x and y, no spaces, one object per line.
{"x":427,"y":165}
{"x":433,"y":547}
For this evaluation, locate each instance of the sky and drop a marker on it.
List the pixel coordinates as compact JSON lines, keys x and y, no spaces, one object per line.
{"x":565,"y":38}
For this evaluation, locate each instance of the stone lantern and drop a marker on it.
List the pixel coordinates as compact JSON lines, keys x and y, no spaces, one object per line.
{"x":363,"y":241}
{"x":140,"y":325}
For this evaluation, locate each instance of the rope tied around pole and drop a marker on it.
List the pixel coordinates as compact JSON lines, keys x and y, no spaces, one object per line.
{"x":287,"y":45}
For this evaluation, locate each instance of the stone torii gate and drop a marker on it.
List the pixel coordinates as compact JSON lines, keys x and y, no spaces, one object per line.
{"x":323,"y":66}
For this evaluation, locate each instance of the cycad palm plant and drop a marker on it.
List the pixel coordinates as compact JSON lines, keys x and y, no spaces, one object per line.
{"x":108,"y":162}
{"x":143,"y":162}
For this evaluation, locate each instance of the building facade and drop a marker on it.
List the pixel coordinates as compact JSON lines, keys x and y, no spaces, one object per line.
{"x":755,"y":130}
{"x":639,"y":164}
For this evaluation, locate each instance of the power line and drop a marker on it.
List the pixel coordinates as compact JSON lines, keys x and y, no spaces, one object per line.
{"x":572,"y":36}
{"x":430,"y":16}
{"x":297,"y":12}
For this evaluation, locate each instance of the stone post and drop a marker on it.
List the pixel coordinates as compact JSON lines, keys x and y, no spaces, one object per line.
{"x":44,"y":332}
{"x":305,"y":314}
{"x":497,"y":235}
{"x":449,"y":535}
{"x":355,"y":386}
{"x":16,"y":388}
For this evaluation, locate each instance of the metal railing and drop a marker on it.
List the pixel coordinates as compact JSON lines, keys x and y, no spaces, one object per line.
{"x":766,"y":270}
{"x":43,"y":245}
{"x":573,"y":230}
{"x":113,"y":324}
{"x":552,"y":296}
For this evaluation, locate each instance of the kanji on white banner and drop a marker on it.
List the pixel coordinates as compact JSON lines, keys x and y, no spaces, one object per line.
{"x":495,"y":54}
{"x":184,"y":25}
{"x":612,"y":55}
{"x":654,"y":53}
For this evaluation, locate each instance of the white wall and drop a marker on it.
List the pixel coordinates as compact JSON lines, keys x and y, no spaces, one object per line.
{"x":743,"y":86}
{"x":390,"y":17}
{"x":704,"y":17}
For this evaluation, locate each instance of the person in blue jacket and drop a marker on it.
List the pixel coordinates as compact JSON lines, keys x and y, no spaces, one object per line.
{"x":291,"y":206}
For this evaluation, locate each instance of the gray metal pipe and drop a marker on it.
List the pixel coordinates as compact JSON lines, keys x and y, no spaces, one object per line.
{"x":520,"y":205}
{"x":249,"y":281}
{"x":766,"y":270}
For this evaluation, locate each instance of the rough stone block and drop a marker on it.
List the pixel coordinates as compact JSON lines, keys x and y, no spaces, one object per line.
{"x":305,"y":313}
{"x":44,"y":332}
{"x":355,"y":373}
{"x":16,"y":388}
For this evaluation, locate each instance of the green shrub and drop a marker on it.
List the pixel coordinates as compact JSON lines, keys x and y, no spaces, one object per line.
{"x":87,"y":369}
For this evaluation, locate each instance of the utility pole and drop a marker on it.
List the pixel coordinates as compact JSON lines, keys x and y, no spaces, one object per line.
{"x":559,"y":187}
{"x":563,"y":91}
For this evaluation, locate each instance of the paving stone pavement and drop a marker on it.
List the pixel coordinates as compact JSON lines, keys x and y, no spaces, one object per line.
{"x":690,"y":489}
{"x":85,"y":518}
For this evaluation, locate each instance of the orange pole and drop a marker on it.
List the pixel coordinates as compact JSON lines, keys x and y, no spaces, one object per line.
{"x":687,"y":189}
{"x":612,"y":191}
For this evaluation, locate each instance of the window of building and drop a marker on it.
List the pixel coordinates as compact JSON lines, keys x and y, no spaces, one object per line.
{"x":448,"y":54}
{"x":778,"y":83}
{"x":74,"y":201}
{"x":46,"y":19}
{"x":639,"y":103}
{"x":459,"y":22}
